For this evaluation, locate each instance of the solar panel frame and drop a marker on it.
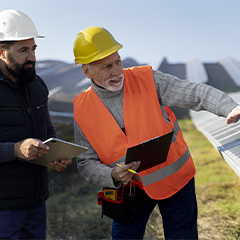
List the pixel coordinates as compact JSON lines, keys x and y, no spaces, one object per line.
{"x":225,"y":138}
{"x":195,"y":71}
{"x":232,"y":67}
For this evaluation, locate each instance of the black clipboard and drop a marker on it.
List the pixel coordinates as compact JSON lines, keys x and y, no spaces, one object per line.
{"x":58,"y":149}
{"x":151,"y":152}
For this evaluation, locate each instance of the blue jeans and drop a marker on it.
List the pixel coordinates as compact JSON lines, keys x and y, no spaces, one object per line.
{"x":179,"y":215}
{"x":23,"y":224}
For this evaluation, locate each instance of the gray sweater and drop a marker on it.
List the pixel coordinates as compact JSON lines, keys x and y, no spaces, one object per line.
{"x":171,"y":91}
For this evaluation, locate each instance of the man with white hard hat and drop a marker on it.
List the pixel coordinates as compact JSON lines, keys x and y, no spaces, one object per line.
{"x":24,"y":123}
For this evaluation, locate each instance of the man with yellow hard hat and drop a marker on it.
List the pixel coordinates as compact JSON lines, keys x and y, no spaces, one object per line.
{"x":122,"y":109}
{"x":24,"y":123}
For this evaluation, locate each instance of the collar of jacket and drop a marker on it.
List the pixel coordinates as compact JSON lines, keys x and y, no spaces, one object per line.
{"x":5,"y":79}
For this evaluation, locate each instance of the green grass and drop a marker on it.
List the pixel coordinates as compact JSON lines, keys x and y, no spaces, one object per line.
{"x":73,"y":212}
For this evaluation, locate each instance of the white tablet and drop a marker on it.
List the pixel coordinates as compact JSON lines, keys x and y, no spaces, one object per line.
{"x":59,"y":149}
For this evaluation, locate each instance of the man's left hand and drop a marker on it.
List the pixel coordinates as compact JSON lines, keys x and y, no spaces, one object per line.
{"x":61,"y":165}
{"x":234,"y":115}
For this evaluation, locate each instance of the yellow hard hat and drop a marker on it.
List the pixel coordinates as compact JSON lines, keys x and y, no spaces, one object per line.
{"x":94,"y":43}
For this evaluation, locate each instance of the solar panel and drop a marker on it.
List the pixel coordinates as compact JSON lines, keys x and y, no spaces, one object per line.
{"x":232,"y":67}
{"x":83,"y":82}
{"x":195,"y":71}
{"x":224,"y":137}
{"x":156,"y":64}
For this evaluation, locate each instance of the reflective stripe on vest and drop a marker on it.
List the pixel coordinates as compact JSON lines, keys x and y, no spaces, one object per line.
{"x":143,"y":120}
{"x":167,"y":171}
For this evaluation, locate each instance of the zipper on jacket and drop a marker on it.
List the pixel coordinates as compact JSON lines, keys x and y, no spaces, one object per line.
{"x":29,"y":109}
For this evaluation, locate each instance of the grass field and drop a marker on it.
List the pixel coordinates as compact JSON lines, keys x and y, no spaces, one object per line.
{"x":73,"y":212}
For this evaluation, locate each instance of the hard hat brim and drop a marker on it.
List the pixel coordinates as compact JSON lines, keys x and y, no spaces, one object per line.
{"x":20,"y":39}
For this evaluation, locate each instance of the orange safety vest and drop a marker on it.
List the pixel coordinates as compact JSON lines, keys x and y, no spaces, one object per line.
{"x":143,"y":120}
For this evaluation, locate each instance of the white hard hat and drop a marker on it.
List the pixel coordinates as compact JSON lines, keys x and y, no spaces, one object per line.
{"x":16,"y":26}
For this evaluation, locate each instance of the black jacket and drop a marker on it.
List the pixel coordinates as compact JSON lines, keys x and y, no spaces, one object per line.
{"x":23,"y":114}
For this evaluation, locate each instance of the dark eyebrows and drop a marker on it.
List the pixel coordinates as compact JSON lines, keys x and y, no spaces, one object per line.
{"x":26,"y":48}
{"x":23,"y":48}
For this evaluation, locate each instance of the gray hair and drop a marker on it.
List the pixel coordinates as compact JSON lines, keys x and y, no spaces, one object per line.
{"x":89,"y":67}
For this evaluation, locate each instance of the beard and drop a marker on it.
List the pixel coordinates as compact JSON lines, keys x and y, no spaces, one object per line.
{"x":109,"y":84}
{"x":19,"y":71}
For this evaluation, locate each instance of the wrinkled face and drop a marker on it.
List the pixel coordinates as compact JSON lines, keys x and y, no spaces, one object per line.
{"x":106,"y":73}
{"x":20,"y":60}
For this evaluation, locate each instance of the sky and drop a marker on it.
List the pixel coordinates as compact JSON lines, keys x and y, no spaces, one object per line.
{"x":149,"y":30}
